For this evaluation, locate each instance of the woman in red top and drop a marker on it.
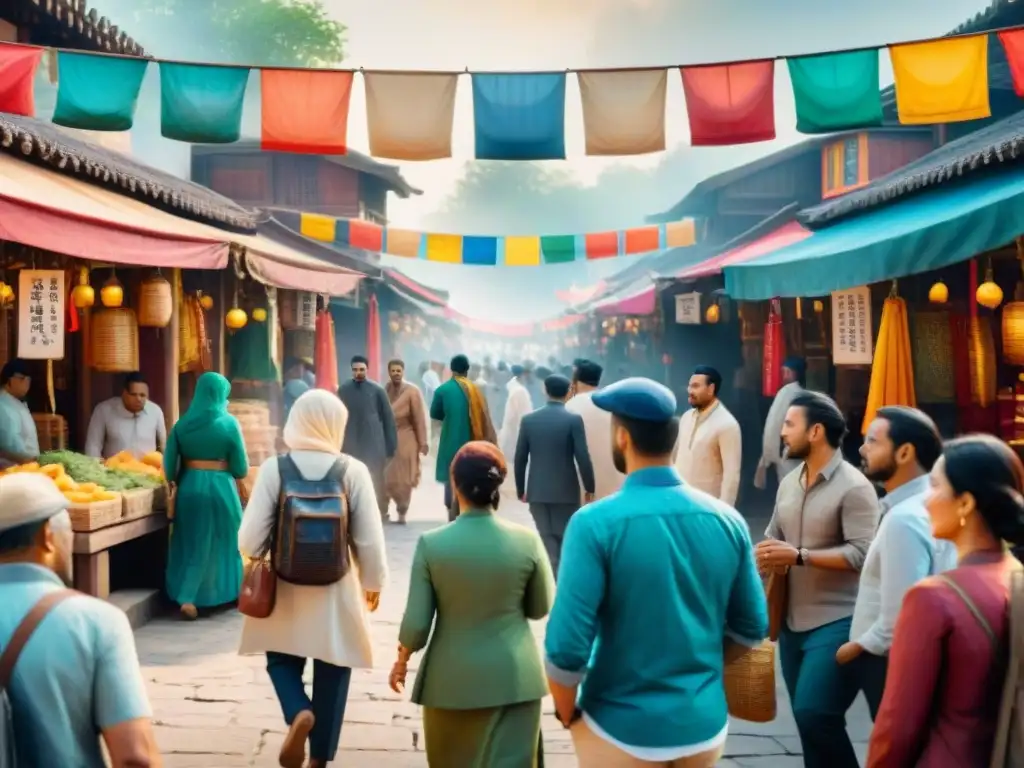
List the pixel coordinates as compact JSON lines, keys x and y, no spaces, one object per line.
{"x":946,"y":673}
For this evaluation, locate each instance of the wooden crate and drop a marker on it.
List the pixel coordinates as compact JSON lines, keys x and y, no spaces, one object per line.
{"x":160,"y":499}
{"x":137,"y":503}
{"x":96,"y":514}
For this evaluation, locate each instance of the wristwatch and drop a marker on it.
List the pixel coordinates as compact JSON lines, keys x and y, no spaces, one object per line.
{"x":802,"y":556}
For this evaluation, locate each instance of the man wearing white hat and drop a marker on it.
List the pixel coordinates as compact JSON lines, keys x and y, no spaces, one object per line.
{"x":67,"y":660}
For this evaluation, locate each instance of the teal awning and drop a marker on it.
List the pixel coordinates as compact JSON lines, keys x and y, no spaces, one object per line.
{"x":916,"y":234}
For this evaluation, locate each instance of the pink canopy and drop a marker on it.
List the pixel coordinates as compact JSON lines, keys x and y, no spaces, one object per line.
{"x":787,"y":234}
{"x":641,"y":303}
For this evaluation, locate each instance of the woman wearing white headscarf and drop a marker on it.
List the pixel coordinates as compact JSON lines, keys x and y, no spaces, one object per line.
{"x":329,"y":624}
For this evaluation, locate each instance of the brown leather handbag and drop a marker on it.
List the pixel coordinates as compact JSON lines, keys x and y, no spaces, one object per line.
{"x":259,"y":589}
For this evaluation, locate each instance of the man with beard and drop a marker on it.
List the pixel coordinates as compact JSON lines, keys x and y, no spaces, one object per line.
{"x":825,"y":517}
{"x":900,"y":448}
{"x":403,"y":471}
{"x":657,"y":560}
{"x":370,"y":434}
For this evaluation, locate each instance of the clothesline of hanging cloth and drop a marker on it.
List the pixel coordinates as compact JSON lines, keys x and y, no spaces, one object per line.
{"x":519,"y":116}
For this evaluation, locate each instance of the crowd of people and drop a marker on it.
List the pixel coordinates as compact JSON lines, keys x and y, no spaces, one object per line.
{"x":892,"y":579}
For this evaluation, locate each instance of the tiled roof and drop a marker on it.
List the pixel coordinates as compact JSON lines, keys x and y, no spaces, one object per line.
{"x":83,"y":26}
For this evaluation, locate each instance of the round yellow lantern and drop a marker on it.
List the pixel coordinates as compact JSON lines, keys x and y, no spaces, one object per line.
{"x":83,"y":295}
{"x":712,"y":314}
{"x":235,"y":319}
{"x":819,"y":306}
{"x":112,"y":294}
{"x":259,"y":315}
{"x":989,"y":295}
{"x":206,"y":302}
{"x":939,"y":293}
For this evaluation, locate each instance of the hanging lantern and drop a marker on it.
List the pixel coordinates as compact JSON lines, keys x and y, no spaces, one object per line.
{"x":205,"y":301}
{"x":6,"y":296}
{"x":989,"y":294}
{"x":235,"y":319}
{"x":939,"y":293}
{"x":83,"y":295}
{"x":259,"y":315}
{"x":1013,"y":318}
{"x":112,"y":294}
{"x":712,"y":314}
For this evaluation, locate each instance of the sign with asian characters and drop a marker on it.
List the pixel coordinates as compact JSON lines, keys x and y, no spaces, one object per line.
{"x":852,"y":341}
{"x":688,"y":308}
{"x":41,"y":314}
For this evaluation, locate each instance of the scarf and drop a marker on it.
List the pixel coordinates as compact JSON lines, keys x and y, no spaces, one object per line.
{"x":209,"y":401}
{"x":480,"y":426}
{"x":316,"y":422}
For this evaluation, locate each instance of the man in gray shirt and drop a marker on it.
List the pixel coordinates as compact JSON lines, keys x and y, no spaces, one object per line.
{"x":825,"y":516}
{"x":900,"y":448}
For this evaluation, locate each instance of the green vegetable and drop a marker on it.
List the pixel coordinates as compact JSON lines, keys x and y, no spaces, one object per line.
{"x":86,"y":469}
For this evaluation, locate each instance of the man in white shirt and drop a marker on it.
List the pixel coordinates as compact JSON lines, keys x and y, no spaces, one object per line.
{"x":597,"y":424}
{"x":709,"y":452}
{"x":19,"y":440}
{"x":900,"y":448}
{"x":127,"y":423}
{"x":774,"y":453}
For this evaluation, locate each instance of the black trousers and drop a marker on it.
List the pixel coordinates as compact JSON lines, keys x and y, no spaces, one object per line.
{"x":871,"y":671}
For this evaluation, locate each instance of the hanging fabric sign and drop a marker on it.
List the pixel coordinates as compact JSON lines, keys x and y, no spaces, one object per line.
{"x":409,"y":116}
{"x":688,"y":308}
{"x":851,"y":327}
{"x":18,"y":64}
{"x":41,"y":314}
{"x":97,"y":93}
{"x":519,"y":117}
{"x":836,"y":91}
{"x":202,"y":104}
{"x":774,"y":351}
{"x":1013,"y":44}
{"x":305,"y":110}
{"x":623,"y":111}
{"x":941,"y":81}
{"x":730,"y":103}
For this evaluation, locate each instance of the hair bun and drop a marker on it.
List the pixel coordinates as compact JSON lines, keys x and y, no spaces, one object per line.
{"x":1006,"y":518}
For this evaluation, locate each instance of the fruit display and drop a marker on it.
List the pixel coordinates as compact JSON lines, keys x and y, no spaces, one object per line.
{"x":75,"y":492}
{"x":85,"y":470}
{"x":152,"y":464}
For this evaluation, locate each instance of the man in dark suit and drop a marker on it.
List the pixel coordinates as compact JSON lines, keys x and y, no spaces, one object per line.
{"x":553,"y":443}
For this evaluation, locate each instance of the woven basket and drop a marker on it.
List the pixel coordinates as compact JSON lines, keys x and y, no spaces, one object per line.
{"x":95,"y":515}
{"x":750,"y":685}
{"x":160,"y":498}
{"x":156,"y":303}
{"x":115,"y":341}
{"x":52,"y":429}
{"x":136,"y":503}
{"x":982,"y":361}
{"x":931,"y":340}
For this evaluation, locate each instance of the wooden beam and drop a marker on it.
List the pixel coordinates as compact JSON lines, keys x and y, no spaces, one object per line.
{"x":91,"y":542}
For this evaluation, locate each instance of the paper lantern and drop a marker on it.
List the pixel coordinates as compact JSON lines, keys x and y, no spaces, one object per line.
{"x":83,"y":295}
{"x":235,"y":319}
{"x":982,"y":361}
{"x":819,"y":306}
{"x":939,"y":293}
{"x":259,"y":315}
{"x":1013,"y":333}
{"x":712,"y":314}
{"x":112,"y":294}
{"x":206,"y":301}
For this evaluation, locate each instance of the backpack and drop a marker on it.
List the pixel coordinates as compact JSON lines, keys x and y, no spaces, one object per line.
{"x":9,"y":657}
{"x":311,"y":546}
{"x":1008,"y":748}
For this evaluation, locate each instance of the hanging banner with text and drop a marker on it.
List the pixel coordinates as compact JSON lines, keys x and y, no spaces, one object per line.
{"x":688,"y":308}
{"x":41,"y":314}
{"x":851,"y":327}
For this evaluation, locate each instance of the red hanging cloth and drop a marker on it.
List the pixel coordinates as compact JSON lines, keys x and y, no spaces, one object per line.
{"x":774,"y":350}
{"x":325,"y":353}
{"x":373,"y":340}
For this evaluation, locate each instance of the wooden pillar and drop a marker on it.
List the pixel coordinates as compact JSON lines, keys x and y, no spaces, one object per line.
{"x":84,"y":375}
{"x":218,"y":324}
{"x":172,"y":353}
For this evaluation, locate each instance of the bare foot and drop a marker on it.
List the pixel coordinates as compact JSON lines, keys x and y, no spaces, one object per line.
{"x":293,"y":750}
{"x":189,"y":612}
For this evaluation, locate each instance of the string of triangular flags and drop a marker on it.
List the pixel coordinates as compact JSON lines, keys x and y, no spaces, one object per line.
{"x":518,"y":116}
{"x":491,"y":250}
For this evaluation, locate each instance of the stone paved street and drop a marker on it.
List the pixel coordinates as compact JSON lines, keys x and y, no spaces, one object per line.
{"x":215,"y":709}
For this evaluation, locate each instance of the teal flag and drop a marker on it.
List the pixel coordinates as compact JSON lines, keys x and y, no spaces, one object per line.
{"x":202,"y":104}
{"x":836,"y":91}
{"x":558,"y":249}
{"x":97,"y":93}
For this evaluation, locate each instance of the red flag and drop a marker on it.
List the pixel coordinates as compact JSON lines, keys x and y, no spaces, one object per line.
{"x":373,"y":340}
{"x":305,"y":110}
{"x":1013,"y":43}
{"x":774,"y":350}
{"x":18,"y":65}
{"x":730,"y":103}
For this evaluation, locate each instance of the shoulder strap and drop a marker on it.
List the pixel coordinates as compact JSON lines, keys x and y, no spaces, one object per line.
{"x":337,"y":471}
{"x":973,"y":608}
{"x":287,"y":470}
{"x":24,"y":631}
{"x":1012,"y":683}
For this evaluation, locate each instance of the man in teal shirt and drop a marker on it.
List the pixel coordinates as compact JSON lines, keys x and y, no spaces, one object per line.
{"x":657,"y":590}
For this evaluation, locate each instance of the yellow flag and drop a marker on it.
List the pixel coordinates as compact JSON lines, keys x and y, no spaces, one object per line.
{"x":942,"y":81}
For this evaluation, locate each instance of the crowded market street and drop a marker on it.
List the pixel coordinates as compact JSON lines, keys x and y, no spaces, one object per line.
{"x":215,"y":709}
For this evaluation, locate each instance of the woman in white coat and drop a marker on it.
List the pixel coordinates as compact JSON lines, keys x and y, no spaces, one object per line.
{"x":329,"y":624}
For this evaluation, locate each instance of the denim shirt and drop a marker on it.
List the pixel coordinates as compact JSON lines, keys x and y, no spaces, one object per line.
{"x":651,"y":581}
{"x":77,"y":675}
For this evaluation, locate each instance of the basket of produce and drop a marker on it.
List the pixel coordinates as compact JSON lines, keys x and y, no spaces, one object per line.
{"x":79,"y":469}
{"x":90,"y":505}
{"x":137,"y":503}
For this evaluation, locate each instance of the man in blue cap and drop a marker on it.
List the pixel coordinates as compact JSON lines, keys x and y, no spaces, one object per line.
{"x":635,"y":661}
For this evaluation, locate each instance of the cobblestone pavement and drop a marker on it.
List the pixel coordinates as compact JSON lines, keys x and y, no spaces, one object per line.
{"x":215,"y":709}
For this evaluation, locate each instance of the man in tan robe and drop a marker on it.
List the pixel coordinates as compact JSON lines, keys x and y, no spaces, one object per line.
{"x":403,"y":471}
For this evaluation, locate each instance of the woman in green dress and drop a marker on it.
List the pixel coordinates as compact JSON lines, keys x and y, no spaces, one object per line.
{"x":204,"y":457}
{"x":481,"y":680}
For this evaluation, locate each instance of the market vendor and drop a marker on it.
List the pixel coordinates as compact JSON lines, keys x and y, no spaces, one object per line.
{"x":19,"y":441}
{"x":127,"y":423}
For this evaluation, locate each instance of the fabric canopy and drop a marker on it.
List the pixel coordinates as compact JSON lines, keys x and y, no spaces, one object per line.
{"x":917,"y":234}
{"x":641,"y":302}
{"x":45,"y":209}
{"x":282,"y":266}
{"x":791,"y":232}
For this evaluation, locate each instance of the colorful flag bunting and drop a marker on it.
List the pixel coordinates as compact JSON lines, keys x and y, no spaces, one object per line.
{"x":836,"y":91}
{"x":941,"y":81}
{"x":680,"y":234}
{"x":97,"y":93}
{"x":202,"y":104}
{"x":305,"y":110}
{"x":730,"y":103}
{"x":522,"y":251}
{"x":409,"y":115}
{"x":601,"y":245}
{"x":319,"y":227}
{"x":558,"y":249}
{"x":356,"y":233}
{"x":623,"y":111}
{"x":642,"y":240}
{"x":18,"y":64}
{"x":479,"y":251}
{"x":446,"y":249}
{"x":403,"y":242}
{"x":1013,"y":44}
{"x":519,"y":116}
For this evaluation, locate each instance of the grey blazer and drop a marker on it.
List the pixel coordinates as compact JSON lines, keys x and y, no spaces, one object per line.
{"x":553,"y":443}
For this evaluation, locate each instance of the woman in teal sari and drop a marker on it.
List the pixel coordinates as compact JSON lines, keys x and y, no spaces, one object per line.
{"x":205,"y":455}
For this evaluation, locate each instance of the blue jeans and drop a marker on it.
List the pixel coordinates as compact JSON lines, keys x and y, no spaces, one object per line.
{"x":330,"y":694}
{"x":821,"y":692}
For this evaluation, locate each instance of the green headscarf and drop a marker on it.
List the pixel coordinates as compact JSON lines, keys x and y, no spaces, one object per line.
{"x":209,"y":401}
